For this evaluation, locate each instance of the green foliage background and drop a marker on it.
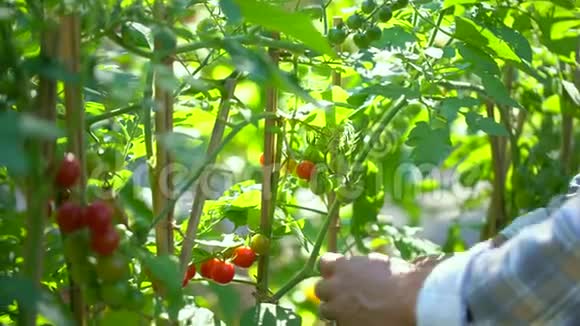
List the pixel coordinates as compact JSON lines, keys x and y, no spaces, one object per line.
{"x":476,"y":77}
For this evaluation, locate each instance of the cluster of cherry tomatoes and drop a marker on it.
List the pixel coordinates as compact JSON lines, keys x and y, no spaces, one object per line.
{"x":304,"y":170}
{"x":363,"y":23}
{"x":222,"y":271}
{"x":97,"y":216}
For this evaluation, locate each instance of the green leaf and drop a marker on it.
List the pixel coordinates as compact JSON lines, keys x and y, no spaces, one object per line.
{"x":296,"y":24}
{"x":568,"y":4}
{"x":392,"y":91}
{"x":485,"y":124}
{"x":185,"y":149}
{"x":497,"y":90}
{"x":396,"y":37}
{"x":450,"y":3}
{"x":134,"y":34}
{"x":267,"y":314}
{"x":490,"y":127}
{"x":367,"y":207}
{"x":121,"y":317}
{"x":12,"y":143}
{"x":478,"y":59}
{"x":451,"y":105}
{"x":23,"y":291}
{"x":572,"y":91}
{"x":262,"y":70}
{"x":247,"y":200}
{"x":228,"y":241}
{"x":517,"y":42}
{"x":482,"y":38}
{"x":165,"y":269}
{"x":229,"y":301}
{"x":429,"y":145}
{"x":231,"y":11}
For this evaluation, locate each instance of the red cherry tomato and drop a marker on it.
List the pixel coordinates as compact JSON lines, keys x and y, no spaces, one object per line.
{"x":304,"y":170}
{"x":70,"y":217}
{"x":262,"y":159}
{"x":244,"y":257}
{"x":105,"y":243}
{"x":99,"y":216}
{"x":207,"y":267}
{"x":68,"y":172}
{"x":189,"y":274}
{"x":223,"y":272}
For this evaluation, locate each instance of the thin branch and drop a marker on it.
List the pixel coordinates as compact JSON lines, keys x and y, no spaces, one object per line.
{"x":305,"y":208}
{"x":111,"y":114}
{"x":209,"y":158}
{"x":199,"y":200}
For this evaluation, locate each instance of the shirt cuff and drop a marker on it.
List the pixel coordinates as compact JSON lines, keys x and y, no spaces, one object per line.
{"x":443,"y":288}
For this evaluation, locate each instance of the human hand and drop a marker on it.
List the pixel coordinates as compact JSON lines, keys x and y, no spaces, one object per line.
{"x":368,"y":290}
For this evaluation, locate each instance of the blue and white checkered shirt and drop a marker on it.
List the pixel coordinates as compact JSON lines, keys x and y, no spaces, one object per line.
{"x":532,"y":279}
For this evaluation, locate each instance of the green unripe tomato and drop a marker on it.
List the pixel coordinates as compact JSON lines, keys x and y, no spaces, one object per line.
{"x":368,"y":6}
{"x":347,"y":194}
{"x":93,"y":161}
{"x":75,"y":247}
{"x":319,"y":182}
{"x":361,"y":40}
{"x":113,"y":158}
{"x":165,"y":37}
{"x":135,"y":300}
{"x":374,"y":33}
{"x":82,"y":273}
{"x":385,"y":14}
{"x":162,"y":321}
{"x":260,"y":244}
{"x":400,"y":4}
{"x":355,"y":21}
{"x":336,"y":35}
{"x":115,"y":294}
{"x":91,"y":294}
{"x":112,"y":268}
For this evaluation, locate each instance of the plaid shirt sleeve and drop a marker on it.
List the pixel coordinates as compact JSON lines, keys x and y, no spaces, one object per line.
{"x":533,"y":279}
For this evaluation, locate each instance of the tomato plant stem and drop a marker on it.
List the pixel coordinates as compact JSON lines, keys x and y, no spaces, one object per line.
{"x":200,"y":196}
{"x":111,"y":114}
{"x":270,"y":181}
{"x":146,"y":106}
{"x":36,"y":197}
{"x":331,"y":123}
{"x":162,"y":182}
{"x":305,"y":208}
{"x":70,"y":30}
{"x":308,"y":269}
{"x":436,"y":29}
